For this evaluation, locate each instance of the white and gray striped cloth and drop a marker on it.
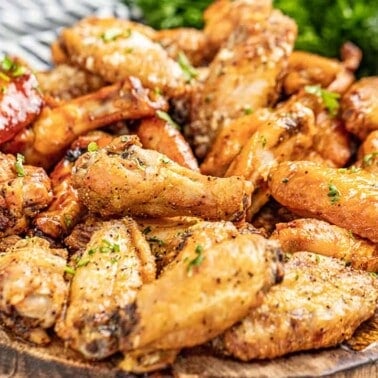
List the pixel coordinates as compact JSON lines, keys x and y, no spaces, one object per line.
{"x":27,"y":27}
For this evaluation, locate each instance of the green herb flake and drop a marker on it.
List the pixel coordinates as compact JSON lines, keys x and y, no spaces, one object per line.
{"x":68,"y":269}
{"x":285,"y":180}
{"x":333,"y":193}
{"x":247,"y":110}
{"x":18,"y":70}
{"x":7,"y":63}
{"x":374,"y":274}
{"x":166,"y":117}
{"x":67,"y":220}
{"x":82,"y":262}
{"x":112,"y":34}
{"x":19,"y":165}
{"x":197,"y":261}
{"x":329,"y":99}
{"x":189,"y":71}
{"x":262,"y":140}
{"x":146,"y":230}
{"x":15,"y":69}
{"x":92,"y":147}
{"x":164,"y":160}
{"x":368,"y":159}
{"x":154,"y":239}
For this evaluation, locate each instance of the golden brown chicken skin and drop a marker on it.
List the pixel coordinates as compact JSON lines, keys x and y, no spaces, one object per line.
{"x":217,"y":277}
{"x":319,"y":304}
{"x":116,"y":263}
{"x":344,"y":197}
{"x":25,"y":190}
{"x":146,"y":183}
{"x":116,"y":49}
{"x":320,"y":237}
{"x":56,"y":128}
{"x":359,"y":107}
{"x":32,"y":286}
{"x":242,"y":77}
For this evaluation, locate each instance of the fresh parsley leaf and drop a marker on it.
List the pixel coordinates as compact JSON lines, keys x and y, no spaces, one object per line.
{"x":166,"y":117}
{"x":92,"y":147}
{"x":333,"y":193}
{"x":19,"y":165}
{"x":189,"y":71}
{"x":330,"y":99}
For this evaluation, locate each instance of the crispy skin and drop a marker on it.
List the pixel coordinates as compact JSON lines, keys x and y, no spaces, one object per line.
{"x":64,"y":82}
{"x":32,"y":288}
{"x":116,"y":49}
{"x":359,"y":107}
{"x":115,"y":264}
{"x":243,"y":76}
{"x":192,"y":302}
{"x":346,"y":198}
{"x":368,"y":153}
{"x":286,"y":135}
{"x":319,"y":304}
{"x":159,"y":135}
{"x":23,"y":195}
{"x":146,"y":183}
{"x":317,"y":236}
{"x":56,"y":128}
{"x":65,"y":209}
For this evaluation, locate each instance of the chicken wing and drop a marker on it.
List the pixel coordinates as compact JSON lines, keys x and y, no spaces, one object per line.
{"x":20,"y":100}
{"x":162,"y":136}
{"x":115,"y":264}
{"x":32,"y":286}
{"x":146,"y":183}
{"x":242,"y":77}
{"x":56,"y":128}
{"x":359,"y":107}
{"x":286,"y":135}
{"x":25,"y":190}
{"x":317,"y":236}
{"x":319,"y":304}
{"x":116,"y":49}
{"x":344,"y":197}
{"x":218,"y":276}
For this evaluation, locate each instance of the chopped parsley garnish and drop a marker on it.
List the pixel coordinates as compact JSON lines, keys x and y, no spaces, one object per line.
{"x":198,"y":259}
{"x":330,"y":99}
{"x":147,"y":230}
{"x":92,"y":147}
{"x":19,"y":165}
{"x":189,"y":71}
{"x":247,"y":110}
{"x":368,"y":159}
{"x":15,"y":69}
{"x":69,"y":270}
{"x":333,"y":193}
{"x":82,"y":262}
{"x":166,"y":117}
{"x":154,"y":239}
{"x":67,"y":220}
{"x":285,"y":180}
{"x":262,"y":140}
{"x":112,"y":34}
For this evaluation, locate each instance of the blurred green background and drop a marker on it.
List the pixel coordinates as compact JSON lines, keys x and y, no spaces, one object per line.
{"x":323,"y":24}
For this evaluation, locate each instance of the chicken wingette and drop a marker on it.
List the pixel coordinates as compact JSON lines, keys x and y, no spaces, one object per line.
{"x":32,"y":288}
{"x":116,"y":263}
{"x":345,"y":197}
{"x":217,"y":277}
{"x":319,"y":304}
{"x":326,"y":239}
{"x":146,"y":183}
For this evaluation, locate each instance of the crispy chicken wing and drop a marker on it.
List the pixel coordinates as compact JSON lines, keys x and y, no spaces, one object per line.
{"x":359,"y":107}
{"x":160,"y":135}
{"x":20,"y":100}
{"x":116,"y":49}
{"x":319,"y":304}
{"x":346,"y":198}
{"x":242,"y":77}
{"x":56,"y":128}
{"x":25,"y":190}
{"x":146,"y":183}
{"x":217,"y":277}
{"x":287,"y":134}
{"x":116,"y":263}
{"x":32,"y":286}
{"x":317,"y":236}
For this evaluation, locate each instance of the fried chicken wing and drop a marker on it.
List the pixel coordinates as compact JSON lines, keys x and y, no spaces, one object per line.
{"x":116,"y":49}
{"x":25,"y":190}
{"x":242,"y":77}
{"x":160,"y":135}
{"x":116,"y":263}
{"x":346,"y":198}
{"x":20,"y":100}
{"x":317,"y":236}
{"x":213,"y":282}
{"x":64,"y":82}
{"x":319,"y":304}
{"x":146,"y":183}
{"x":287,"y":134}
{"x":359,"y":107}
{"x":32,"y":286}
{"x":56,"y":128}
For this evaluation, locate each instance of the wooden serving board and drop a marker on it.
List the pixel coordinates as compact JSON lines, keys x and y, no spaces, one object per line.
{"x":19,"y":359}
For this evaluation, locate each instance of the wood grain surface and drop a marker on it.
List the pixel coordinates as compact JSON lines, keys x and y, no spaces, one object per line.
{"x":22,"y":360}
